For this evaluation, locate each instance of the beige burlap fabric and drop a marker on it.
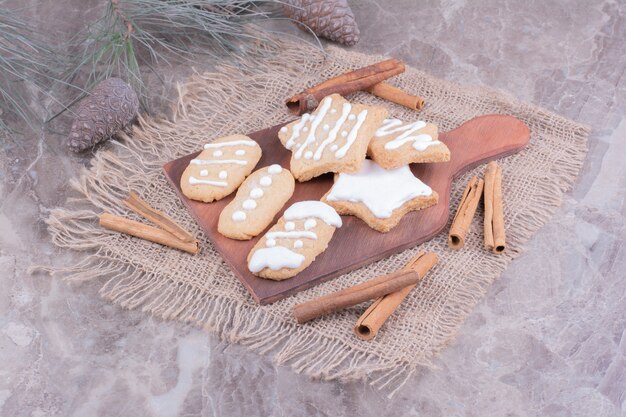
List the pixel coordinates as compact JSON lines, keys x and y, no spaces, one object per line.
{"x":201,"y":289}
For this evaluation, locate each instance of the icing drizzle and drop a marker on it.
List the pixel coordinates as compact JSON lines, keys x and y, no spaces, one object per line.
{"x":291,"y":235}
{"x":239,"y":216}
{"x":218,"y":161}
{"x":257,"y":192}
{"x":295,"y":133}
{"x":380,"y":190}
{"x":352,"y":135}
{"x":276,"y":257}
{"x":316,"y":209}
{"x":217,"y":153}
{"x":326,"y":103}
{"x":391,"y":126}
{"x":275,"y":169}
{"x":195,"y":181}
{"x":332,"y":132}
{"x":332,"y":135}
{"x":230,"y":143}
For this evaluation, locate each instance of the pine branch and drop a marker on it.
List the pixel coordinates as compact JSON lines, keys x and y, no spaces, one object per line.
{"x":25,"y":63}
{"x":135,"y":34}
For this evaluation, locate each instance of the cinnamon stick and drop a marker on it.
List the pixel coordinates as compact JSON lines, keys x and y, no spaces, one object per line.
{"x":396,"y":95}
{"x":139,"y":206}
{"x":344,"y":84}
{"x":494,"y":213}
{"x":376,"y":315}
{"x":348,"y":297}
{"x":465,"y":213}
{"x":142,"y":231}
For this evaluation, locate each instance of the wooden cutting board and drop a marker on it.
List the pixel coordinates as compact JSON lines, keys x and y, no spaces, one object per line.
{"x":477,"y":141}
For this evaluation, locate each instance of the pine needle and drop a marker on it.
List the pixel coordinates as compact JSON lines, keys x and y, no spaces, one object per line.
{"x":135,"y":34}
{"x":25,"y":63}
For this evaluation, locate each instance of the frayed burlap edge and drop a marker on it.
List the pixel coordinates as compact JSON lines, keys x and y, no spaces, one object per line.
{"x":134,"y":285}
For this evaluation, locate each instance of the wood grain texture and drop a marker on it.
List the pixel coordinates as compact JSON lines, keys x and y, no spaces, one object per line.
{"x":477,"y":141}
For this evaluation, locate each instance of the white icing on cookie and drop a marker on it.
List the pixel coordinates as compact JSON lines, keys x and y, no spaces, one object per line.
{"x":334,"y":148}
{"x":218,"y":153}
{"x":391,"y":126}
{"x":249,"y":204}
{"x":323,"y":109}
{"x":341,"y":152}
{"x":265,"y":181}
{"x":309,"y":224}
{"x":275,"y":258}
{"x":196,"y":181}
{"x":305,"y":149}
{"x":231,"y":143}
{"x":333,"y":111}
{"x":380,"y":190}
{"x":240,"y":152}
{"x":223,"y":175}
{"x":291,"y":235}
{"x":295,"y":132}
{"x":275,"y":169}
{"x":204,"y":173}
{"x":256,"y":193}
{"x":305,"y":209}
{"x":283,"y":129}
{"x":239,"y":216}
{"x":332,"y":135}
{"x":217,"y":161}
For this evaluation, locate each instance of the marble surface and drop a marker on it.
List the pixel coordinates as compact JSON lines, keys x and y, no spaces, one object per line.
{"x":549,"y":338}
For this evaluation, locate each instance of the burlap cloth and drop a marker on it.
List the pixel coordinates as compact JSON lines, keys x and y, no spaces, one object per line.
{"x":202,"y":290}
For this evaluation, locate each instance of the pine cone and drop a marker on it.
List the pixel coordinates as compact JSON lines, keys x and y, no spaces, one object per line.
{"x":330,"y":19}
{"x":111,"y":106}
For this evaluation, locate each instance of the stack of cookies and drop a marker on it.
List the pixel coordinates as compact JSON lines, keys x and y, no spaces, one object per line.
{"x":337,"y":137}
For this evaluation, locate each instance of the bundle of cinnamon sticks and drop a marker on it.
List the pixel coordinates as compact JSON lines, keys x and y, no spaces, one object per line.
{"x":388,"y":291}
{"x":168,"y":233}
{"x":491,"y":189}
{"x":368,"y":79}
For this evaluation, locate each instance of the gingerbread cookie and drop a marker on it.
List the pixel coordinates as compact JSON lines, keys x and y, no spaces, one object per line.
{"x":220,"y":168}
{"x":397,"y":143}
{"x":292,"y":244}
{"x":258,"y":199}
{"x":333,"y":138}
{"x":378,"y":196}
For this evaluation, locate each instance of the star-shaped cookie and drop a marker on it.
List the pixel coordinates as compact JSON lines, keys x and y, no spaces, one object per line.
{"x":378,"y":196}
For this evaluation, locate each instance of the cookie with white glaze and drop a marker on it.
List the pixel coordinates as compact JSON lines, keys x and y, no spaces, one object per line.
{"x":220,"y":168}
{"x":293,"y":243}
{"x":397,"y":143}
{"x":333,"y":138}
{"x":378,"y":196}
{"x":259,"y":198}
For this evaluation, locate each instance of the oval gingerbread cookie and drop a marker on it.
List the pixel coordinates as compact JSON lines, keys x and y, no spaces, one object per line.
{"x":259,"y":198}
{"x":220,"y":168}
{"x":292,"y":244}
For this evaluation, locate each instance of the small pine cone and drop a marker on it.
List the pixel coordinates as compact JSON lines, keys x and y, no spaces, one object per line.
{"x":330,"y":19}
{"x":111,"y":106}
